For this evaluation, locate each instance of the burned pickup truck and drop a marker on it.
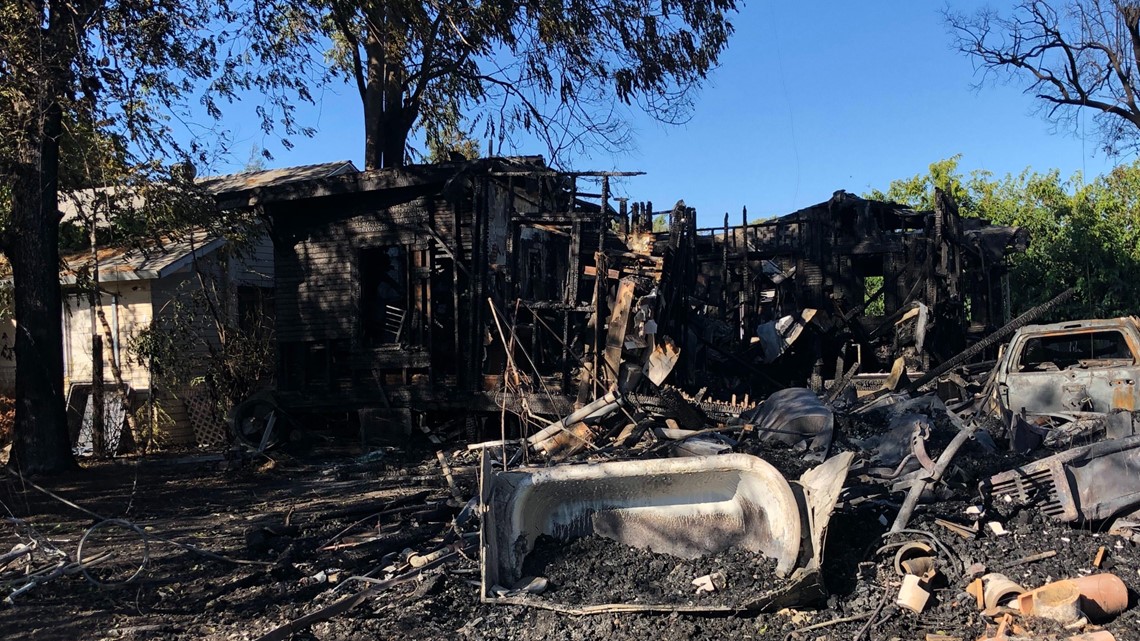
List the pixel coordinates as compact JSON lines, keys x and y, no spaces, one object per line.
{"x":1071,"y":387}
{"x":1071,"y":368}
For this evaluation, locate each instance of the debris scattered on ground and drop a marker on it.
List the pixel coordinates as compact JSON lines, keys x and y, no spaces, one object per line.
{"x":905,"y":517}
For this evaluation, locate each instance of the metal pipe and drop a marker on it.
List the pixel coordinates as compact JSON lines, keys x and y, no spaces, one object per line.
{"x":584,"y":412}
{"x":552,"y":430}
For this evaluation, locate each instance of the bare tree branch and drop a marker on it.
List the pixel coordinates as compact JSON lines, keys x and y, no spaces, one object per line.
{"x":1072,"y":56}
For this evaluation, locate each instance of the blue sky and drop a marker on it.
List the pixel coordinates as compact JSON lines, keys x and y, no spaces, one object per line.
{"x":810,"y":97}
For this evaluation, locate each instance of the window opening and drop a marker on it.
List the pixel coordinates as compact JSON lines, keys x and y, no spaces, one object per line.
{"x":1073,"y":351}
{"x":384,"y":294}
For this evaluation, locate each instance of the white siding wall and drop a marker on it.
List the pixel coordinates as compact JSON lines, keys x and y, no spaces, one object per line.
{"x":130,"y":302}
{"x":136,"y":305}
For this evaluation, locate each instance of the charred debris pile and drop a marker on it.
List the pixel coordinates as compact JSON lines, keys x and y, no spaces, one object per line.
{"x":884,"y":485}
{"x":786,"y":522}
{"x":824,"y":425}
{"x":885,"y":514}
{"x":443,"y":297}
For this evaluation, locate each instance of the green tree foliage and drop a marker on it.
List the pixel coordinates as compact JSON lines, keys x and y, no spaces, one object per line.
{"x":447,"y":140}
{"x":553,"y":69}
{"x":1083,"y":234}
{"x":876,"y":306}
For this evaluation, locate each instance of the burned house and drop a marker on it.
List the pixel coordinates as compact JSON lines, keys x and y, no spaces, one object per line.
{"x":397,"y":288}
{"x":872,"y":280}
{"x":425,"y":294}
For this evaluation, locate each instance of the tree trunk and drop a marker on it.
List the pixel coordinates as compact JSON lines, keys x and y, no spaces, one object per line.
{"x":373,"y":123}
{"x":374,"y":112}
{"x":386,"y":133}
{"x":98,"y":424}
{"x":395,"y":129}
{"x":395,"y":138}
{"x":41,"y":440}
{"x":386,"y":120}
{"x":98,"y":401}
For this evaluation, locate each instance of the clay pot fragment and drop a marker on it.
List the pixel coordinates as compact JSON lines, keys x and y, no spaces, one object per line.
{"x":914,"y":594}
{"x":1059,"y":601}
{"x":914,"y":557}
{"x":999,"y":590}
{"x":1103,"y":596}
{"x":1100,"y":597}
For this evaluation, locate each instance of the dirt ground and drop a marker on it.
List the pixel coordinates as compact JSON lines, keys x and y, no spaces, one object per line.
{"x":280,"y":515}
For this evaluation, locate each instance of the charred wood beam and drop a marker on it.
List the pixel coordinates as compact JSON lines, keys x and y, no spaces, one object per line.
{"x":573,"y":274}
{"x":603,"y":222}
{"x":566,"y":351}
{"x":428,"y":327}
{"x":842,"y":383}
{"x":513,"y":243}
{"x":412,"y":176}
{"x":724,"y":268}
{"x":550,"y":229}
{"x":443,"y":246}
{"x":551,"y":218}
{"x":477,"y":285}
{"x":634,"y":271}
{"x":456,"y":266}
{"x":619,"y":321}
{"x":599,"y":326}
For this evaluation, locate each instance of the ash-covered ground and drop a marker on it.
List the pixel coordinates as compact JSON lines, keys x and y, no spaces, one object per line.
{"x":285,"y":515}
{"x":595,"y":570}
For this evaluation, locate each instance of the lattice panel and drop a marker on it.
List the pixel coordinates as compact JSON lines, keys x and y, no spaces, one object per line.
{"x":209,"y":428}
